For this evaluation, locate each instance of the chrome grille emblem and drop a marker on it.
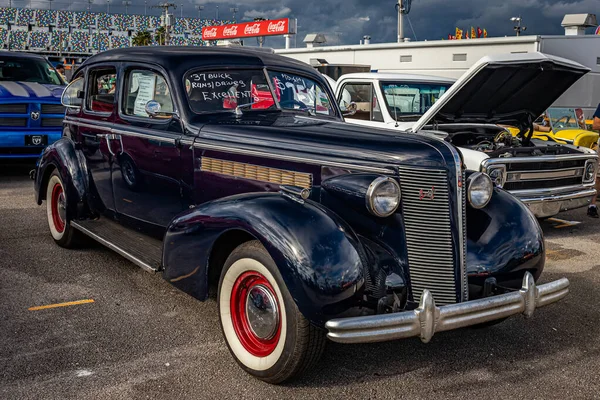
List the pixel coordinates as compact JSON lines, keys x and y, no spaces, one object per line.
{"x":427,"y":193}
{"x":35,"y":115}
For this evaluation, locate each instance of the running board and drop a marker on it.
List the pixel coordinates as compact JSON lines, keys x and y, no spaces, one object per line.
{"x":138,"y":248}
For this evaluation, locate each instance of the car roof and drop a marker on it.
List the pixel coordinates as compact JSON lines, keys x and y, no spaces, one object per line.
{"x":398,"y":76}
{"x":187,"y":57}
{"x":7,"y":53}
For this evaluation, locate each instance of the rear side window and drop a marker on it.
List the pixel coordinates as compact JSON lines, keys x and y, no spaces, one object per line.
{"x":101,"y":92}
{"x":143,"y":86}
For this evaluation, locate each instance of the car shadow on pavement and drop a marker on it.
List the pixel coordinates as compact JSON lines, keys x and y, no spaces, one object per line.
{"x":565,"y":332}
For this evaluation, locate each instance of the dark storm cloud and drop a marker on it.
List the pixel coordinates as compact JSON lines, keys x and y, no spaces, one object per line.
{"x":347,"y":21}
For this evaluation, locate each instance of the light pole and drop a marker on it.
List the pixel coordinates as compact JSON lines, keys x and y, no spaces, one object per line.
{"x":199,"y":8}
{"x":518,"y":28}
{"x":181,"y":10}
{"x":50,"y":1}
{"x":234,"y":10}
{"x":89,"y":4}
{"x":217,"y":13}
{"x":108,"y":6}
{"x":145,"y":5}
{"x":126,"y":3}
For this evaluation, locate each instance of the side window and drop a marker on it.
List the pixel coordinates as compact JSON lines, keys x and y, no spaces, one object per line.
{"x":141,"y":87}
{"x":101,"y":90}
{"x":366,"y":104}
{"x":72,"y":96}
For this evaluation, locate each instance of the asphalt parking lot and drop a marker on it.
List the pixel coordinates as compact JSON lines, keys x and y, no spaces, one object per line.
{"x":141,"y":338}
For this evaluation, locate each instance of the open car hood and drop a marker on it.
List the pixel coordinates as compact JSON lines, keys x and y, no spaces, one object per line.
{"x":508,"y":89}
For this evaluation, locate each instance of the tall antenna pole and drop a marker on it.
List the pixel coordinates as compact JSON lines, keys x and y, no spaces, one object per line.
{"x":400,"y":10}
{"x":166,"y":19}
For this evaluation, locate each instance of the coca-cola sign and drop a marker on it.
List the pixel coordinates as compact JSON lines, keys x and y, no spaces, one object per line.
{"x":250,"y":29}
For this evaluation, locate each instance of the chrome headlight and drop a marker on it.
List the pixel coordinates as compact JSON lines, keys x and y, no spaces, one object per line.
{"x":589,"y":172}
{"x":498,"y":174}
{"x":383,"y":196}
{"x":479,"y":189}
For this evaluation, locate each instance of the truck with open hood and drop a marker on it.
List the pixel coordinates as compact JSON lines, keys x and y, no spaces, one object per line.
{"x":473,"y":112}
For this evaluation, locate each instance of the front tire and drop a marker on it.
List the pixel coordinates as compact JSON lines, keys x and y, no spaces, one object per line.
{"x":264,"y":330}
{"x":56,"y":209}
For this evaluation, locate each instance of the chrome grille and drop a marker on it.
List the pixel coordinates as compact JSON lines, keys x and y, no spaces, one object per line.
{"x":428,"y":226}
{"x":541,"y":172}
{"x":53,"y":109}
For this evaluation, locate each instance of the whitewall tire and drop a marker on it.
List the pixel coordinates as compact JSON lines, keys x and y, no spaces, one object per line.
{"x":56,"y":212}
{"x":264,"y":330}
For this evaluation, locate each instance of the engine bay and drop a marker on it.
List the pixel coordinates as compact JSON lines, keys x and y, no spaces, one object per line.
{"x":497,"y":141}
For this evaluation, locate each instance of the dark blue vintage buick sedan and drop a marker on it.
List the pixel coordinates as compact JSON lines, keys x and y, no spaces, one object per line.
{"x":232,"y":167}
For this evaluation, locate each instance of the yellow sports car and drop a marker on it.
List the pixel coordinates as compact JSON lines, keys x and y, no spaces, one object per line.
{"x":563,"y":125}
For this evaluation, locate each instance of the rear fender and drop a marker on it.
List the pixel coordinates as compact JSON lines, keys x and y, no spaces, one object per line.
{"x":70,"y":163}
{"x":318,"y":255}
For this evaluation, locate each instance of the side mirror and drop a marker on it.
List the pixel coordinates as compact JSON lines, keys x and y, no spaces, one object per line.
{"x":73,"y":95}
{"x":349,"y":109}
{"x":152,"y":108}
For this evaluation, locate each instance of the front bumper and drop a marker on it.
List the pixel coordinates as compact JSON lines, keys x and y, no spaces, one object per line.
{"x":428,"y":319}
{"x":548,"y":205}
{"x":12,"y":143}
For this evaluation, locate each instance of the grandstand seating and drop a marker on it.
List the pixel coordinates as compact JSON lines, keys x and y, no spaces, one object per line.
{"x":87,"y":32}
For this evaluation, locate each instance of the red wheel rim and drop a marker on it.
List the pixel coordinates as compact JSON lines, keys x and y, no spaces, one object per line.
{"x":58,"y":203}
{"x":245,"y":286}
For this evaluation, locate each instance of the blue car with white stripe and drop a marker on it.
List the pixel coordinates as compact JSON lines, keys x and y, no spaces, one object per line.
{"x":30,"y":111}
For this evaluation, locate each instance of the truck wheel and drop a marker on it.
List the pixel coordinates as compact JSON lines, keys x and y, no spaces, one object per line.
{"x":56,"y":209}
{"x":264,"y":330}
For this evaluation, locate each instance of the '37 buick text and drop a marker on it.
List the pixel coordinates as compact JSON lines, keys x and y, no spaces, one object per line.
{"x":234,"y":168}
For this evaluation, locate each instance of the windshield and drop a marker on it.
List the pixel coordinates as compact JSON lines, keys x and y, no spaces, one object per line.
{"x":26,"y":69}
{"x":408,"y":101}
{"x":217,"y":91}
{"x":562,"y":118}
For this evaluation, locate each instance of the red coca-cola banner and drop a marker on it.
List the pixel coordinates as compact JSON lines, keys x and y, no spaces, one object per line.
{"x":249,"y":29}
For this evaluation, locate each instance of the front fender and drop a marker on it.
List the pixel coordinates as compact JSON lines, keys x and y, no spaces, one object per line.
{"x":63,"y":156}
{"x":318,"y":255}
{"x":504,"y":240}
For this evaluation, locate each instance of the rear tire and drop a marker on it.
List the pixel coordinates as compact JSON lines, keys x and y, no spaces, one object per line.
{"x":56,"y":210}
{"x":263,"y":328}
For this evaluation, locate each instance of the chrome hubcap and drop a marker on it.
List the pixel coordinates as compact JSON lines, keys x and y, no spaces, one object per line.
{"x":62,"y":207}
{"x":262,"y":312}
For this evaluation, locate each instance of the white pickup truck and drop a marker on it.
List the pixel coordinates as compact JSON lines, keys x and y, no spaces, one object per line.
{"x":510,"y":90}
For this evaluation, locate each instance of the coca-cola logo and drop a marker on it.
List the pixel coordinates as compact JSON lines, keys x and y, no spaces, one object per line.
{"x":210,"y":32}
{"x":252,"y":29}
{"x":230,"y":31}
{"x":276,"y":27}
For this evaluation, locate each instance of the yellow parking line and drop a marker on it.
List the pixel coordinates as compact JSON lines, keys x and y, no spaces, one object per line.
{"x":69,"y":303}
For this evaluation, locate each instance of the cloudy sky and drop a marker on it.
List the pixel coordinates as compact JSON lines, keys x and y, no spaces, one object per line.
{"x":346,"y":21}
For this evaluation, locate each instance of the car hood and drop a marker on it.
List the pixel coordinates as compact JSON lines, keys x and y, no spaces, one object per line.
{"x":29,"y":91}
{"x":509,"y":89}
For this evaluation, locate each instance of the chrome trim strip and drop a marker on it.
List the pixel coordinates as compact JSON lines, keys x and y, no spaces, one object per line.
{"x":108,"y":128}
{"x":563,"y":197}
{"x":511,"y":160}
{"x":551,"y":191}
{"x":429,"y":319}
{"x":545,"y":175}
{"x":114,"y":247}
{"x":208,"y":146}
{"x":144,"y":136}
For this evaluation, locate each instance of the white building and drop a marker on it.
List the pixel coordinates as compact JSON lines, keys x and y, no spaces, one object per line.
{"x":451,"y":58}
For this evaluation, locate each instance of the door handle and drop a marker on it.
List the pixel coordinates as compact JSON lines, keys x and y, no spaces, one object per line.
{"x":108,"y":137}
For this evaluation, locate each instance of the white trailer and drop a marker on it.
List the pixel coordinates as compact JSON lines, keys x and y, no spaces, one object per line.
{"x":451,"y":58}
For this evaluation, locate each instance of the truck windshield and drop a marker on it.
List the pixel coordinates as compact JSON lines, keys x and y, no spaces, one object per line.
{"x":217,"y":91}
{"x":26,"y":69}
{"x":408,"y":101}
